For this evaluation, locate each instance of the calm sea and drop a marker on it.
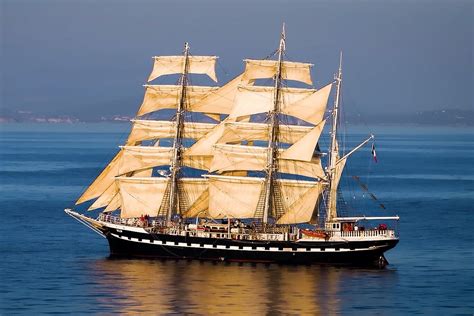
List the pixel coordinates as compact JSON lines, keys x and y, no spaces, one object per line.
{"x":51,"y":264}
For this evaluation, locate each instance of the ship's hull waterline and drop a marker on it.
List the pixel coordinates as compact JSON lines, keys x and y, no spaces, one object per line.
{"x":181,"y":247}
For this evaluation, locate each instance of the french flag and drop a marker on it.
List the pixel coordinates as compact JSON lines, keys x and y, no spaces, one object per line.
{"x":374,"y":154}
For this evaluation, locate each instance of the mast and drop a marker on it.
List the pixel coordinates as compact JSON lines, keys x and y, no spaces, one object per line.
{"x":273,"y":137}
{"x":177,"y":146}
{"x":334,"y":155}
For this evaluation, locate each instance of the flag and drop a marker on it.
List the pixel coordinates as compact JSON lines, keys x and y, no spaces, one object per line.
{"x":374,"y":154}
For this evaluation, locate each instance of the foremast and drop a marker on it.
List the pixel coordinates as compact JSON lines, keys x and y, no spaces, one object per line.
{"x":271,"y":168}
{"x":331,"y":213}
{"x":175,"y":165}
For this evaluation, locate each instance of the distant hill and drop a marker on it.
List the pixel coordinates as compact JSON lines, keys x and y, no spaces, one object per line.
{"x":27,"y":116}
{"x":7,"y":116}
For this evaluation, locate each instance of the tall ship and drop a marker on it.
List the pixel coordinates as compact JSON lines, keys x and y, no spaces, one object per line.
{"x":236,"y":173}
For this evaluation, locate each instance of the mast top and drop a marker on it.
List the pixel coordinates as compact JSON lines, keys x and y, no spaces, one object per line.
{"x":282,"y":47}
{"x":339,"y":73}
{"x":340,"y":62}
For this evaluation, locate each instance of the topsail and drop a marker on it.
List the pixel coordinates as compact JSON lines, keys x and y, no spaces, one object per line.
{"x":167,"y":65}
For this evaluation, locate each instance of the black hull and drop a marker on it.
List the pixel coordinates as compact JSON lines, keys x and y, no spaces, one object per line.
{"x":133,"y":244}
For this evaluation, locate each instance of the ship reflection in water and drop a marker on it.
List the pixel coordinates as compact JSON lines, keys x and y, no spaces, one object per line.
{"x":183,"y":287}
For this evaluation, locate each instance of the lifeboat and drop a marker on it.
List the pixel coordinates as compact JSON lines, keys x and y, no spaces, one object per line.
{"x":314,"y":234}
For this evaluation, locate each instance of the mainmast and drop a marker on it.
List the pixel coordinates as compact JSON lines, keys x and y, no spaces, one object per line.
{"x":334,"y":155}
{"x":177,"y":143}
{"x":273,"y":137}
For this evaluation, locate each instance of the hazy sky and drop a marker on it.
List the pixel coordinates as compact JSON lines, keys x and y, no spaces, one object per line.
{"x":89,"y":58}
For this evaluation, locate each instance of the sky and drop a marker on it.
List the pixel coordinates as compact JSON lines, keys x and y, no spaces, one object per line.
{"x":90,"y":58}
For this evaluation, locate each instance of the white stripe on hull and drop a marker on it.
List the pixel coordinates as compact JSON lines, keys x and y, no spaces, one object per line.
{"x":224,"y":247}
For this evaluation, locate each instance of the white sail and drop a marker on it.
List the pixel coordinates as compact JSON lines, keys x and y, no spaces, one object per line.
{"x":219,"y":101}
{"x":143,"y":196}
{"x":200,"y":206}
{"x":233,"y":197}
{"x":103,"y":181}
{"x":299,"y":198}
{"x":120,"y":165}
{"x":204,"y":146}
{"x":158,"y":97}
{"x":310,"y":109}
{"x":230,"y":132}
{"x":237,"y":197}
{"x":108,"y":195}
{"x":143,"y":157}
{"x":114,"y":204}
{"x":167,"y":65}
{"x":105,"y":198}
{"x":236,"y":157}
{"x":304,"y":148}
{"x":257,"y":99}
{"x":138,"y":199}
{"x":337,"y":178}
{"x":150,"y":129}
{"x":306,"y":104}
{"x":259,"y":69}
{"x":135,"y":159}
{"x":245,"y":131}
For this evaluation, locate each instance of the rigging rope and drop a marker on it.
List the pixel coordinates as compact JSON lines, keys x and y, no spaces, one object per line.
{"x":366,"y":189}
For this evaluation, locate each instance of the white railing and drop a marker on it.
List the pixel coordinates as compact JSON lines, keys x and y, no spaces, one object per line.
{"x":368,"y":233}
{"x":137,"y":222}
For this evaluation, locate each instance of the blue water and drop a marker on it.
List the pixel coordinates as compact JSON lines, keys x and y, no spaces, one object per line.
{"x":51,"y":264}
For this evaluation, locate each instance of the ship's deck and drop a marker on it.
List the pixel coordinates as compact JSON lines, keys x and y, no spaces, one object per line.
{"x":246,"y":232}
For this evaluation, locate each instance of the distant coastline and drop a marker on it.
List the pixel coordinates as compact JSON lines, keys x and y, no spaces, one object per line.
{"x":31,"y":117}
{"x":437,"y":118}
